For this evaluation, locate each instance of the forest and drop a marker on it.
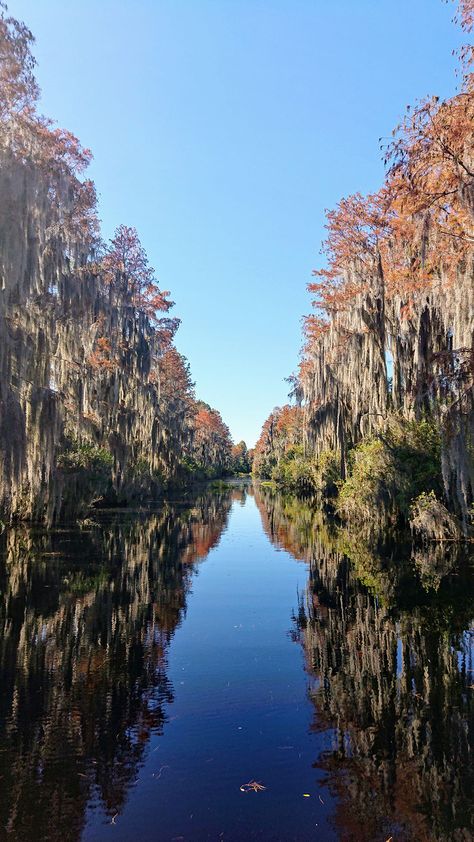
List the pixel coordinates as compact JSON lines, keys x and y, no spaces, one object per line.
{"x":97,"y":405}
{"x":96,"y":402}
{"x":199,"y":639}
{"x":381,"y":424}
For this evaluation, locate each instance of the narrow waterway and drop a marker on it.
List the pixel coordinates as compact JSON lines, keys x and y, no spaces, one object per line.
{"x":154,"y":663}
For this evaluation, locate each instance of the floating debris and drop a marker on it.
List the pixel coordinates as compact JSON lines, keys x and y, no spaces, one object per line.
{"x":252,"y":786}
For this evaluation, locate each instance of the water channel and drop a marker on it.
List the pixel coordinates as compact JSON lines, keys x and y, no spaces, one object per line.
{"x":227,"y":666}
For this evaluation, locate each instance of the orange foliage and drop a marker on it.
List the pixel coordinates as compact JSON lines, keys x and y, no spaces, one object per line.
{"x":355,"y":229}
{"x":430,"y":179}
{"x":212,"y":442}
{"x":126,"y":266}
{"x":280,"y":431}
{"x":465,"y":14}
{"x":31,"y":138}
{"x":17,"y":82}
{"x":175,"y":375}
{"x":101,"y":356}
{"x":418,"y":229}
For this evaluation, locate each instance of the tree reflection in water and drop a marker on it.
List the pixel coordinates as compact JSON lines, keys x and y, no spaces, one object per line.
{"x":85,"y":622}
{"x":86,"y":619}
{"x":388,"y":641}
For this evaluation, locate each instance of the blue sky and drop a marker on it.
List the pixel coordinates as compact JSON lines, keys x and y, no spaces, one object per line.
{"x":222,"y":129}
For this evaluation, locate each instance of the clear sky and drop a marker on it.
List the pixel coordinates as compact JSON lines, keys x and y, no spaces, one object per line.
{"x":222,"y":129}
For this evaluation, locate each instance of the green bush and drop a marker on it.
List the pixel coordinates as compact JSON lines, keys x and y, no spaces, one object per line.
{"x":389,"y":470}
{"x":86,"y":457}
{"x":326,"y":474}
{"x":86,"y":472}
{"x":191,"y":470}
{"x":318,"y":475}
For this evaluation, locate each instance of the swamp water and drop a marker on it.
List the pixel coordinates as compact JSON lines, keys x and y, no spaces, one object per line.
{"x":153,"y":663}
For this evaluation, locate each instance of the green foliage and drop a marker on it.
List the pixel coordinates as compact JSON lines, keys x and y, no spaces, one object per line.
{"x":219,"y":485}
{"x":326,"y":473}
{"x":142,"y":474}
{"x":86,"y":470}
{"x":292,"y":470}
{"x":317,"y":475}
{"x":263,"y":468}
{"x":240,"y":460}
{"x":192,"y":470}
{"x":386,"y":473}
{"x":389,"y":470}
{"x":81,"y":584}
{"x":86,"y":457}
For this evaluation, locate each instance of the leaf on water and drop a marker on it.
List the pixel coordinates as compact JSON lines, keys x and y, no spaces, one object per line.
{"x":252,"y":786}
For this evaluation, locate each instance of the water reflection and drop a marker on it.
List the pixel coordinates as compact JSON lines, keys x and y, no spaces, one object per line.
{"x":387,"y":639}
{"x":85,"y":623}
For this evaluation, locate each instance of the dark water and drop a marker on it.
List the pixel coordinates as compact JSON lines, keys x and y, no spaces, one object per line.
{"x":153,"y":663}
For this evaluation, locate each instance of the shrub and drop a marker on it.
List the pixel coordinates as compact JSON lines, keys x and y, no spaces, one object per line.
{"x":297,"y":472}
{"x":430,"y":520}
{"x":326,"y":473}
{"x":389,"y":470}
{"x":86,"y":457}
{"x":86,"y":472}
